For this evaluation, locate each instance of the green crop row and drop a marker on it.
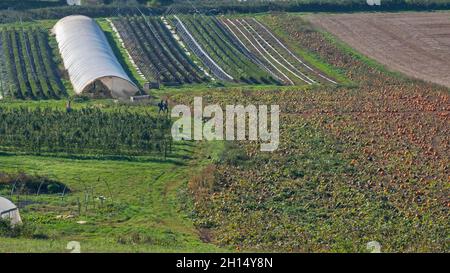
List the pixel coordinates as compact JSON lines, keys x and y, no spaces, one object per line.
{"x":31,"y":70}
{"x":217,"y":43}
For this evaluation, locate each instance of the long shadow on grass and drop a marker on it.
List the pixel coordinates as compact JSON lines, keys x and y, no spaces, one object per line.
{"x":179,"y":160}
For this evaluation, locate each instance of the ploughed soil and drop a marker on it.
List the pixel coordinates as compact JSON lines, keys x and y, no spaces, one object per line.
{"x":416,"y":44}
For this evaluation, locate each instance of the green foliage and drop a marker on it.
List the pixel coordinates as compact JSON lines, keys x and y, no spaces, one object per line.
{"x":233,"y":155}
{"x":86,"y":131}
{"x":15,"y":231}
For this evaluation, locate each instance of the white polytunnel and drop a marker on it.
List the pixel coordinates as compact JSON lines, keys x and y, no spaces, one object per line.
{"x":90,"y":60}
{"x":9,"y":211}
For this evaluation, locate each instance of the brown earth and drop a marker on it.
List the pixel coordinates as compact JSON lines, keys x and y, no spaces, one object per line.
{"x":416,"y":44}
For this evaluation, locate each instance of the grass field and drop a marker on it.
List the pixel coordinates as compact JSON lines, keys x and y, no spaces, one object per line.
{"x":143,"y":210}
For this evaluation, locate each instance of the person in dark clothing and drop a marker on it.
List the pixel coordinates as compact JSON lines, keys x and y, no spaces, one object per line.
{"x":161,"y":107}
{"x":166,"y":107}
{"x":69,"y":106}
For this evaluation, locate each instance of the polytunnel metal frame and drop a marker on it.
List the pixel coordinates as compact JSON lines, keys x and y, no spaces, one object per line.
{"x":88,"y":57}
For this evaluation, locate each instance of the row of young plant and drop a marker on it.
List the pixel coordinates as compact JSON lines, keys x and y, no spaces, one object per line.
{"x":85,"y":131}
{"x":221,"y":48}
{"x":30,"y":68}
{"x":277,"y":48}
{"x":3,"y":72}
{"x":257,"y":47}
{"x":156,"y":52}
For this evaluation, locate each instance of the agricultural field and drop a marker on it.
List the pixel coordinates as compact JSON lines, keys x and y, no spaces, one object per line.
{"x":171,"y":51}
{"x":28,"y":70}
{"x":85,"y":131}
{"x":364,"y":135}
{"x":354,"y":164}
{"x":416,"y":44}
{"x":236,"y":63}
{"x":158,"y":55}
{"x":273,"y":54}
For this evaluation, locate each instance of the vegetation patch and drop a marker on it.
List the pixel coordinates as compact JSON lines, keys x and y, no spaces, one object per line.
{"x":355,"y":164}
{"x":22,"y":183}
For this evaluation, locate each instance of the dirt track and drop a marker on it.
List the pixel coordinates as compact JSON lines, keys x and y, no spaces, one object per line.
{"x":417,"y":44}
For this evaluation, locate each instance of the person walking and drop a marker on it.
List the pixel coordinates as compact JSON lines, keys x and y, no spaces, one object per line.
{"x":161,"y":107}
{"x":166,"y":106}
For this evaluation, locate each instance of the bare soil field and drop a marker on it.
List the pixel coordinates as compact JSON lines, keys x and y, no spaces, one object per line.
{"x":416,"y":44}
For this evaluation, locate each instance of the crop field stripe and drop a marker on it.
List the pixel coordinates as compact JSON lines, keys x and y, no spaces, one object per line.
{"x":217,"y":42}
{"x":291,"y":53}
{"x":181,"y":57}
{"x":221,"y":36}
{"x":40,"y":70}
{"x":157,"y":71}
{"x":31,"y":71}
{"x":198,"y":50}
{"x":186,"y":49}
{"x":252,"y":32}
{"x":173,"y":65}
{"x":239,"y":60}
{"x":228,"y":32}
{"x":262,"y":54}
{"x":245,"y":49}
{"x":212,"y":48}
{"x":173,"y":60}
{"x":14,"y":91}
{"x":128,"y":55}
{"x":18,"y":57}
{"x":302,"y":77}
{"x":149,"y":51}
{"x":170,"y":62}
{"x":164,"y":60}
{"x":29,"y":65}
{"x":179,"y":67}
{"x":259,"y":52}
{"x":4,"y":82}
{"x":55,"y":85}
{"x":130,"y":40}
{"x":252,"y":68}
{"x":50,"y":67}
{"x":311,"y":81}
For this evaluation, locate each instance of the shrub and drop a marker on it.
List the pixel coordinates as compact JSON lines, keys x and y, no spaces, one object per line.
{"x":14,"y":231}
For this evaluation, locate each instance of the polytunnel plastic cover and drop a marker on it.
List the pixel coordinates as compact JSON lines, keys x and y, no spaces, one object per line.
{"x":88,"y":56}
